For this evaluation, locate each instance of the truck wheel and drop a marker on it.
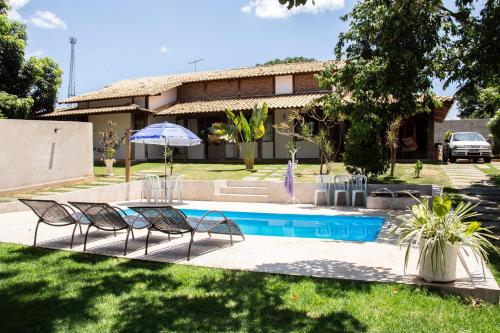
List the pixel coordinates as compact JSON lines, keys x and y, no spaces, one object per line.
{"x":487,"y":159}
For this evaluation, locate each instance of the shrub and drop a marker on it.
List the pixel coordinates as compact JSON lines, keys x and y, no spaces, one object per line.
{"x":494,"y":126}
{"x":363,"y":151}
{"x":418,"y":168}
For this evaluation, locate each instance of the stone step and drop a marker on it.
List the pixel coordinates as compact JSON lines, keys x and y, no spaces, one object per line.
{"x":247,"y":183}
{"x":244,"y":190}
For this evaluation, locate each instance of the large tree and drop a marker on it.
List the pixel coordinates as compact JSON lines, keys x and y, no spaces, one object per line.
{"x":474,"y":63}
{"x":286,"y":60}
{"x":27,"y":86}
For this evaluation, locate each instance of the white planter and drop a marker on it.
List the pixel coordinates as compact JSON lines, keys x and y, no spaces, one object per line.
{"x":446,"y":265}
{"x":109,"y":166}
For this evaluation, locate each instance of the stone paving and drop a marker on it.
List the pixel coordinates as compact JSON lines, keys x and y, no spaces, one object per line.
{"x":465,"y":175}
{"x":271,"y":173}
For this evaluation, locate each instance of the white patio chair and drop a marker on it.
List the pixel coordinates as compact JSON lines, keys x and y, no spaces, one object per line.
{"x":358,"y":185}
{"x":147,"y":182}
{"x":156,"y":189}
{"x":341,"y":183}
{"x":176,"y":187}
{"x":323,"y":186}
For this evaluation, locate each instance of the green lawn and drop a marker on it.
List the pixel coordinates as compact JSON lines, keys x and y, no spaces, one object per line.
{"x":404,"y":172}
{"x":59,"y":291}
{"x":493,"y":171}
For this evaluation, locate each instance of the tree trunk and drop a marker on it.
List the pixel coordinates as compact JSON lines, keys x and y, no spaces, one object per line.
{"x":393,"y":161}
{"x":248,"y":150}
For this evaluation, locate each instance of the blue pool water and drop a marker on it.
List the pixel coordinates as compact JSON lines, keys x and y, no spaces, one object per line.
{"x":339,"y":227}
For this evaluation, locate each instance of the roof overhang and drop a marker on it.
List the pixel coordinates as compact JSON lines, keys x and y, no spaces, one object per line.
{"x":106,"y":110}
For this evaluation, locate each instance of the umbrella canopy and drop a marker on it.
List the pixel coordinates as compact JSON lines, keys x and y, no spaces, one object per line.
{"x":167,"y":135}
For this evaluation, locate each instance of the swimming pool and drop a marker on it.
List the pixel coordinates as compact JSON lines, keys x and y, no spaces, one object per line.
{"x":338,"y":227}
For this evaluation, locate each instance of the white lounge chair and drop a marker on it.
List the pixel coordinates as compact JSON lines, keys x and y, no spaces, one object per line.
{"x":323,"y":186}
{"x":359,"y":185}
{"x":341,"y":183}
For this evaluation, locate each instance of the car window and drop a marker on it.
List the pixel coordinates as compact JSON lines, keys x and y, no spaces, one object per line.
{"x":467,"y":137}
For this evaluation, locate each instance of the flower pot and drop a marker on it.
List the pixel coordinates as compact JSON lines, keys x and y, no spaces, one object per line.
{"x":247,"y":149}
{"x":109,"y":166}
{"x":445,"y":264}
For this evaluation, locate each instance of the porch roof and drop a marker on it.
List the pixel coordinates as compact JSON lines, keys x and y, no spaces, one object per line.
{"x":113,"y":109}
{"x":239,"y":104}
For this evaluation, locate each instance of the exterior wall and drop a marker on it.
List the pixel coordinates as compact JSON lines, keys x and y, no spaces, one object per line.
{"x":257,"y":86}
{"x":307,"y":150}
{"x":195,"y":152}
{"x":34,"y":153}
{"x":107,"y":102}
{"x":462,"y":125}
{"x":267,"y":150}
{"x":283,"y":84}
{"x":223,"y":88}
{"x":192,"y":91}
{"x":164,"y":98}
{"x":141,"y":101}
{"x":122,"y":120}
{"x":305,"y":83}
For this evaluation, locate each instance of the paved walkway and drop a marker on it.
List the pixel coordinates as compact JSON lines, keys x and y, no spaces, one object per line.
{"x":465,"y":175}
{"x":271,"y":172}
{"x":380,"y":261}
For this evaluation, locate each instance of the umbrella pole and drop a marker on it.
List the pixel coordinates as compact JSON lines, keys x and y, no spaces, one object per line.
{"x":165,"y":159}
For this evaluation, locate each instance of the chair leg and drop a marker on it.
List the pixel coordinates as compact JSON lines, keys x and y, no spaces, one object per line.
{"x":168,"y":237}
{"x":36,"y":231}
{"x":126,"y":243}
{"x":114,"y":231}
{"x":230,"y":234}
{"x":335,"y":198}
{"x":133,"y":236}
{"x":73,"y":235}
{"x":147,"y":242}
{"x":327,"y":194}
{"x":81,"y":232}
{"x":190,"y":245}
{"x":86,"y":235}
{"x":209,"y":234}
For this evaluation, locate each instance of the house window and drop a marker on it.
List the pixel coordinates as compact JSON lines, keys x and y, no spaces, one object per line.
{"x":268,"y":125}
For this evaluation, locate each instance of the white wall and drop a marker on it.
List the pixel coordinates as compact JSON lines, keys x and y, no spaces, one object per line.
{"x":283,"y":84}
{"x":35,"y":152}
{"x":164,"y":98}
{"x":100,"y":122}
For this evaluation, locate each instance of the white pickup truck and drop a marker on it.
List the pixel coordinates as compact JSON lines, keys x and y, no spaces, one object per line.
{"x":466,"y":145}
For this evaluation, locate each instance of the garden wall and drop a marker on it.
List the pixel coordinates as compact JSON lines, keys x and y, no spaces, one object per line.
{"x":39,"y":152}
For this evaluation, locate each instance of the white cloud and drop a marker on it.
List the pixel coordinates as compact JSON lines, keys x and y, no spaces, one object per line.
{"x":271,"y":9}
{"x":15,"y":5}
{"x":47,"y":20}
{"x":164,"y":49}
{"x":37,"y":53}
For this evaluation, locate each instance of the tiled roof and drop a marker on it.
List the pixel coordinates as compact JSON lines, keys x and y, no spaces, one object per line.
{"x":114,"y":109}
{"x":157,"y":84}
{"x":238,"y":104}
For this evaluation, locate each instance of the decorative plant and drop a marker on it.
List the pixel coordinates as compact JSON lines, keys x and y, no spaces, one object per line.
{"x":418,"y":168}
{"x":447,"y":135}
{"x":109,"y":141}
{"x":243,"y":132}
{"x":437,"y":227}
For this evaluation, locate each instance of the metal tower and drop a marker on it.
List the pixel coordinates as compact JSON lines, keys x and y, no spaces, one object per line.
{"x":71,"y":85}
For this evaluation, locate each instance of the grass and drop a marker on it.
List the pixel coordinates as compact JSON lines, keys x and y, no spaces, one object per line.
{"x":404,"y":172}
{"x":493,"y":172}
{"x":59,"y":291}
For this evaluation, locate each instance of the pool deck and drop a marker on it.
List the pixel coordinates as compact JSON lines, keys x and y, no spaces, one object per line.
{"x":379,"y":261}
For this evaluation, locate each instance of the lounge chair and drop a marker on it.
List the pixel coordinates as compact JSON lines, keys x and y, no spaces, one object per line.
{"x":170,"y":220}
{"x":55,"y":214}
{"x":109,"y":218}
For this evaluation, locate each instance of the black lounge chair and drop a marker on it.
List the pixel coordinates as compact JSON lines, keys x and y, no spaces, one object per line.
{"x":55,"y":214}
{"x":109,"y":218}
{"x":170,"y":220}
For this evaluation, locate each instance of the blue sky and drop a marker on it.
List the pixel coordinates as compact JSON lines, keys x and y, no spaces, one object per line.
{"x":119,"y":39}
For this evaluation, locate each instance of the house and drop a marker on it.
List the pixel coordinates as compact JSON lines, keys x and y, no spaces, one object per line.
{"x":197,"y":100}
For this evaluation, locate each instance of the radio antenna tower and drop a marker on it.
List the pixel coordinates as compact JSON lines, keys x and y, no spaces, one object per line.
{"x":71,"y":85}
{"x":194,"y":62}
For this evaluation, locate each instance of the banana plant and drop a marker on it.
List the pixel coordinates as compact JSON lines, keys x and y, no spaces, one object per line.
{"x":243,"y":132}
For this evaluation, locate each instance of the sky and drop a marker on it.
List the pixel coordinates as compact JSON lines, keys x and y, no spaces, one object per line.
{"x":121,"y":39}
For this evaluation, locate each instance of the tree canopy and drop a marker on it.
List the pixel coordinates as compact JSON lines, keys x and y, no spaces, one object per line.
{"x":27,"y":86}
{"x":286,"y":60}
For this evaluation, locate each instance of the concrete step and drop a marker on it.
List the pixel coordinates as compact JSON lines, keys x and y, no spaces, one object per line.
{"x":244,"y":190}
{"x":247,"y":183}
{"x":242,"y":197}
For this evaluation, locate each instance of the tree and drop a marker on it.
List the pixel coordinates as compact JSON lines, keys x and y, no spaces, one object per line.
{"x":26,"y":86}
{"x":474,"y":64}
{"x":494,"y":127}
{"x":287,"y":60}
{"x":244,"y":132}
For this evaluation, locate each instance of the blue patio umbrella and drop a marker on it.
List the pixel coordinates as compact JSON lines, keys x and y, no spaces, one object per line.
{"x":168,"y":135}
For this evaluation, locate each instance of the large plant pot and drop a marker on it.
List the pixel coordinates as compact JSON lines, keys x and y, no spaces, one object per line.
{"x":109,"y":166}
{"x":445,"y":266}
{"x":247,"y":149}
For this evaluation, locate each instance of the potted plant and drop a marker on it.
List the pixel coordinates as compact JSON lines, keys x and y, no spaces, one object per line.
{"x":440,"y":232}
{"x":109,"y":143}
{"x":243,"y":132}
